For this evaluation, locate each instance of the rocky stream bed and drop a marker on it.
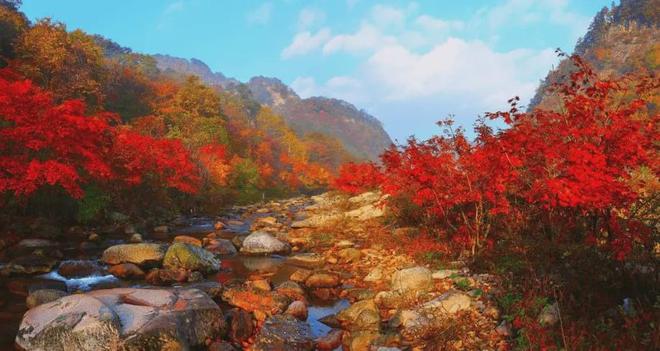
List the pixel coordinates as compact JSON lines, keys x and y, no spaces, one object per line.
{"x":297,"y":274}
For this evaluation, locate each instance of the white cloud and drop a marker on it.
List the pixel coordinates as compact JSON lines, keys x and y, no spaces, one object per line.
{"x":468,"y":68}
{"x":431,"y":23}
{"x":413,"y":62}
{"x":309,"y":17}
{"x":368,"y":37}
{"x":455,"y":76}
{"x":387,"y":16}
{"x":305,"y":42}
{"x":260,"y":15}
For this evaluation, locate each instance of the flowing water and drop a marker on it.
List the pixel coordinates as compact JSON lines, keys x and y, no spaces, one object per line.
{"x":15,"y":289}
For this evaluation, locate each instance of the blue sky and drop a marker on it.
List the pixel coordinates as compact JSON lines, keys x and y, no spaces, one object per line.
{"x":407,"y":63}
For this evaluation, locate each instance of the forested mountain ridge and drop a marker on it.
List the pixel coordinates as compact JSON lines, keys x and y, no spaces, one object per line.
{"x":360,"y":133}
{"x":621,"y":40}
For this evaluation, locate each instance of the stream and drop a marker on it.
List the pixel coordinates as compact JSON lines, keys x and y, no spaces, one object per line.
{"x":238,"y":267}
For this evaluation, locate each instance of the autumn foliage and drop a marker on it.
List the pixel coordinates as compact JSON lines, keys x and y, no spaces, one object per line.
{"x":572,"y":173}
{"x":355,"y":178}
{"x":47,"y":144}
{"x":79,"y":111}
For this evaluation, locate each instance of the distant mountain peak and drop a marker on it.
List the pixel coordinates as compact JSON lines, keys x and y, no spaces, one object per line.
{"x":621,"y":39}
{"x":193,"y":66}
{"x":270,"y":91}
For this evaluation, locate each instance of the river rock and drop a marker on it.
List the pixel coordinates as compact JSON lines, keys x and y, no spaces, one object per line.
{"x":330,"y":341}
{"x":284,"y":332}
{"x":140,"y":254}
{"x":222,"y":247}
{"x":306,"y":260}
{"x":79,"y":269}
{"x":415,"y":278}
{"x":239,"y":324}
{"x":317,"y":221}
{"x":360,"y":340}
{"x":125,"y":318}
{"x":366,"y":212}
{"x":211,"y":288}
{"x":187,"y":256}
{"x":444,"y":273}
{"x":323,"y":279}
{"x":368,"y":197}
{"x":291,"y":290}
{"x":300,"y":275}
{"x":136,"y":238}
{"x":162,"y":229}
{"x":187,"y":240}
{"x":349,"y":255}
{"x":267,"y":221}
{"x":357,"y":294}
{"x":161,"y":276}
{"x":42,"y":296}
{"x":31,"y":264}
{"x":375,"y":275}
{"x":362,"y":315}
{"x":251,"y":300}
{"x":126,"y":271}
{"x":424,"y":321}
{"x":36,"y":243}
{"x":263,"y":243}
{"x":261,"y":284}
{"x":297,"y":309}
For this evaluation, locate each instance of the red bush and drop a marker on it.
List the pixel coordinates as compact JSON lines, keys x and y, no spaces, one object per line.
{"x":568,"y":170}
{"x":43,"y":143}
{"x":354,"y":178}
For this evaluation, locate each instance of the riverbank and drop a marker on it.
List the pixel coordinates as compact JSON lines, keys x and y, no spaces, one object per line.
{"x":300,"y":274}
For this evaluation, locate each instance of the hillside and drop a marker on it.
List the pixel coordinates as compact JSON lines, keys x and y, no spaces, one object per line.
{"x":360,"y":133}
{"x":620,"y":40}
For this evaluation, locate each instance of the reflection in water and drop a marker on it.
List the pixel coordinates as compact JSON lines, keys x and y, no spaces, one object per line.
{"x":318,"y":312}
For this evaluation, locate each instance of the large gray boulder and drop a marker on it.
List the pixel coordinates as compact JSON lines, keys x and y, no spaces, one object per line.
{"x":122,"y":319}
{"x":260,"y":243}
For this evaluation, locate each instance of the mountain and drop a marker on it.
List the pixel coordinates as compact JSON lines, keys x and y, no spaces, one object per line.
{"x":360,"y":133}
{"x":622,"y":39}
{"x":171,"y":64}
